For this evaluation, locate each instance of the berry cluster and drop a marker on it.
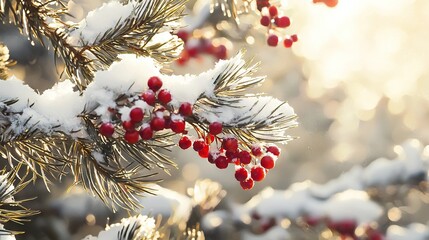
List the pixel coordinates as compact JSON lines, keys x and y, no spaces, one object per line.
{"x":193,"y":47}
{"x":148,"y":113}
{"x":274,"y":21}
{"x":346,"y":228}
{"x":250,"y":166}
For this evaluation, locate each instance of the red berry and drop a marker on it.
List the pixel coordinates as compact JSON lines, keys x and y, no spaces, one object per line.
{"x":106,"y":129}
{"x":177,"y":126}
{"x":157,"y":123}
{"x":294,"y":38}
{"x":204,"y":153}
{"x":256,"y":151}
{"x":136,"y":115}
{"x":128,"y":126}
{"x":185,"y":142}
{"x":146,"y":133}
{"x":231,"y":155}
{"x":154,"y":83}
{"x":282,"y":22}
{"x":182,"y":34}
{"x":167,"y":122}
{"x":215,"y":128}
{"x":257,"y":173}
{"x":221,"y":162}
{"x":198,"y":144}
{"x":220,"y":52}
{"x":344,"y":227}
{"x":273,"y":11}
{"x":212,"y":156}
{"x":272,"y":40}
{"x":265,"y":21}
{"x":185,"y":109}
{"x":262,"y":3}
{"x":241,"y":174}
{"x":245,"y":157}
{"x":149,"y":97}
{"x":267,"y":162}
{"x":164,"y":96}
{"x":274,"y":150}
{"x":230,"y":144}
{"x":247,"y":184}
{"x":131,"y":137}
{"x":288,"y":42}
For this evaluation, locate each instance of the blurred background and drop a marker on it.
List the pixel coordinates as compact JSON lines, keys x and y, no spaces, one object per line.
{"x":357,"y":79}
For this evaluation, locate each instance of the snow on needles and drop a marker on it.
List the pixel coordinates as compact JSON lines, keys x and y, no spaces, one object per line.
{"x":100,"y":20}
{"x":58,"y":108}
{"x":343,"y":198}
{"x":137,"y":227}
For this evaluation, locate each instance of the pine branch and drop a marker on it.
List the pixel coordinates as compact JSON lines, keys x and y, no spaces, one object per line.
{"x":133,"y":34}
{"x":12,"y":210}
{"x":41,"y":20}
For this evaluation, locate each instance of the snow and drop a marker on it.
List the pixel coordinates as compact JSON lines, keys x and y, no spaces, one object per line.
{"x":342,"y":198}
{"x":3,"y":184}
{"x":99,"y":21}
{"x":274,"y":233}
{"x":167,"y":203}
{"x":4,"y":235}
{"x":58,"y":108}
{"x":414,"y":231}
{"x":146,"y":228}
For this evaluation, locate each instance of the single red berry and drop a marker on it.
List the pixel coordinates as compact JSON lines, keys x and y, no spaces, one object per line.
{"x":149,"y":97}
{"x":267,"y":162}
{"x":245,"y":157}
{"x":157,"y":123}
{"x":265,"y":21}
{"x":231,"y":155}
{"x":167,"y":122}
{"x":198,"y":144}
{"x":257,"y":173}
{"x":185,"y":142}
{"x":274,"y":150}
{"x":177,"y":126}
{"x":247,"y":184}
{"x":136,"y":115}
{"x":182,"y":34}
{"x":221,"y":162}
{"x":230,"y":144}
{"x":282,"y":22}
{"x":146,"y":133}
{"x":107,"y":129}
{"x":294,"y":38}
{"x":272,"y":40}
{"x":241,"y":174}
{"x":262,"y":3}
{"x":345,"y":227}
{"x":131,"y":137}
{"x":215,"y":128}
{"x":288,"y":42}
{"x":128,"y":126}
{"x":164,"y":96}
{"x":256,"y":151}
{"x":185,"y":109}
{"x":204,"y":153}
{"x":212,"y":156}
{"x":154,"y":83}
{"x":273,"y":11}
{"x":220,"y":52}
